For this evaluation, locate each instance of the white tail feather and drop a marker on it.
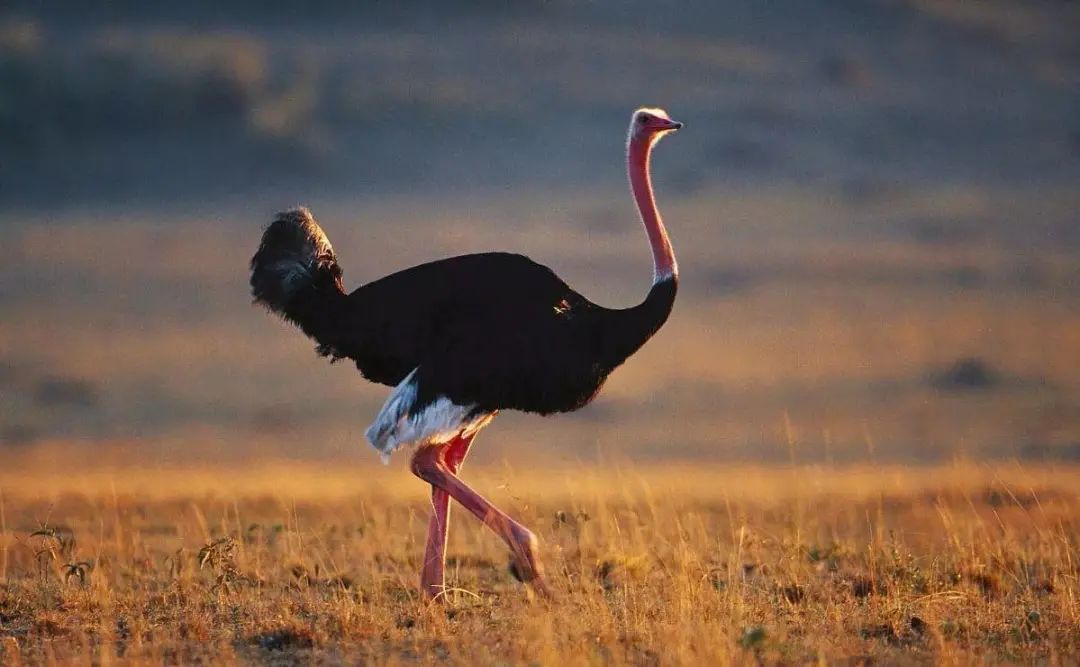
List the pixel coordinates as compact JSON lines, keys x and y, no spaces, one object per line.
{"x":441,"y":421}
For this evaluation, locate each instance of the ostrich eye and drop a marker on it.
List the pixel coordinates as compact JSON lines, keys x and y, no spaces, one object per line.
{"x":643,"y":119}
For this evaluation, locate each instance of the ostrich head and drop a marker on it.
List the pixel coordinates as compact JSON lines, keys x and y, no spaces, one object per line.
{"x":648,"y":124}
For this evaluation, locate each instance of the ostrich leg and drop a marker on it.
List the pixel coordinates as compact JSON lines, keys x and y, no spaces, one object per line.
{"x":430,"y":465}
{"x":433,"y":573}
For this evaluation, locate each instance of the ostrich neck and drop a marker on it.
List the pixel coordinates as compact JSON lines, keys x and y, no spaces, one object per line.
{"x":637,"y":162}
{"x":624,"y":331}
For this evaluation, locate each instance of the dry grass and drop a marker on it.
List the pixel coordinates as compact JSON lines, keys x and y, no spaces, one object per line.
{"x":677,"y":564}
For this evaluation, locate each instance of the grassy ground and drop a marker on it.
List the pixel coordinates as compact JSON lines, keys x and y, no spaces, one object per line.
{"x":686,"y":564}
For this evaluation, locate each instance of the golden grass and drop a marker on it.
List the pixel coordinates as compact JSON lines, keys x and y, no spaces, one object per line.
{"x":667,"y":564}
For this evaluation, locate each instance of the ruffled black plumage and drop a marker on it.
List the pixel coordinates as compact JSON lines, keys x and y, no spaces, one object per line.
{"x":494,"y":330}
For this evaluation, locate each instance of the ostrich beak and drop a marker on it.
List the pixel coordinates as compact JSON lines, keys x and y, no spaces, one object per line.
{"x":673,"y":125}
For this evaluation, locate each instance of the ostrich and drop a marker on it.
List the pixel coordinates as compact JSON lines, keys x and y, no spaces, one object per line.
{"x":462,"y":338}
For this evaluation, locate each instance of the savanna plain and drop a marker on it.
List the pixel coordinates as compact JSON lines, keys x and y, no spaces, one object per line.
{"x":958,"y":563}
{"x":856,"y":441}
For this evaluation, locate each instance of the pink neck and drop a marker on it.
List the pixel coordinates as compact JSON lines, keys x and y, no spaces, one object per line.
{"x":637,"y":164}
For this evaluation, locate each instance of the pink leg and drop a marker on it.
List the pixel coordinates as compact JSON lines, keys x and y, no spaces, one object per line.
{"x":433,"y":572}
{"x":430,"y":464}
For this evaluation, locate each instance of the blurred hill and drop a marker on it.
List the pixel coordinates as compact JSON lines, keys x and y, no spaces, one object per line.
{"x":874,"y":203}
{"x":123,"y":100}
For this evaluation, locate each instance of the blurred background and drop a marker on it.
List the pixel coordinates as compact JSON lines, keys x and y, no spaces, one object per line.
{"x":875,"y":204}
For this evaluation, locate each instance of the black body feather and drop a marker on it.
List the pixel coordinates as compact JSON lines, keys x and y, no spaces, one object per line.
{"x":495,"y":330}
